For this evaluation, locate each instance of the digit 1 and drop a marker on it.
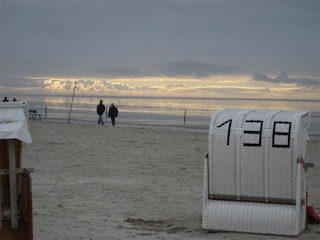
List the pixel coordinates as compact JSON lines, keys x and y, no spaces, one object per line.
{"x":229,"y":129}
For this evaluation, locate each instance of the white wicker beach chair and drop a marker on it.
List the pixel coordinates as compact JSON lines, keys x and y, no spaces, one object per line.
{"x":253,"y":181}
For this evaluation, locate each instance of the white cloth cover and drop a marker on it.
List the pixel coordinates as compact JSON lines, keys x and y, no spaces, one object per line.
{"x":14,"y":121}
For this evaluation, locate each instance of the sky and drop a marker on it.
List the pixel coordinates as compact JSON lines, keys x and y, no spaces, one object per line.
{"x":181,"y":48}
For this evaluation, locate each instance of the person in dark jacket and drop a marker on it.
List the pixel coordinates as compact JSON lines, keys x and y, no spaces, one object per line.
{"x":113,"y":113}
{"x":100,"y":110}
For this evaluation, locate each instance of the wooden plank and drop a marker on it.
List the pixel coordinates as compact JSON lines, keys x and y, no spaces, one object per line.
{"x":13,"y":184}
{"x":2,"y":159}
{"x":0,"y":202}
{"x":20,"y":234}
{"x":18,"y":171}
{"x":309,"y":164}
{"x":30,"y":210}
{"x":254,"y":199}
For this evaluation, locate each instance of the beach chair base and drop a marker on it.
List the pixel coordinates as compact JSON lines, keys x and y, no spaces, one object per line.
{"x":16,"y":219}
{"x":255,"y":217}
{"x":249,"y":217}
{"x":24,"y":232}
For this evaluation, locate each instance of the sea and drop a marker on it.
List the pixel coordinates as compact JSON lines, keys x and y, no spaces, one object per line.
{"x":185,"y":114}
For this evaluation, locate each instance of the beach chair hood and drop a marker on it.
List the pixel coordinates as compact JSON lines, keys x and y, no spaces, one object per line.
{"x":14,"y":121}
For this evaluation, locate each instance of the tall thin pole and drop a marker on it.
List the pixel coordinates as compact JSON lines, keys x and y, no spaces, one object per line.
{"x":74,"y":89}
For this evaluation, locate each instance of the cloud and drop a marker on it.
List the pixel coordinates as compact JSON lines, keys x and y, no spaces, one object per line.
{"x":191,"y":68}
{"x":283,"y":78}
{"x":121,"y":72}
{"x":195,"y":68}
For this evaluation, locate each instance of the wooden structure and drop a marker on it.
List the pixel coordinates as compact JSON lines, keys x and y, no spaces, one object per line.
{"x":255,"y":176}
{"x":15,"y":182}
{"x":33,"y":114}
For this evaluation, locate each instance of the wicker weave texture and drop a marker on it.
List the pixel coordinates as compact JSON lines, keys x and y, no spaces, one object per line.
{"x":18,"y":104}
{"x":253,"y":161}
{"x":262,"y":218}
{"x":254,"y":152}
{"x":251,"y":217}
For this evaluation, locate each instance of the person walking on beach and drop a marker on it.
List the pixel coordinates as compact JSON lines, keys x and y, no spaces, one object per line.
{"x":100,"y":110}
{"x":113,"y":113}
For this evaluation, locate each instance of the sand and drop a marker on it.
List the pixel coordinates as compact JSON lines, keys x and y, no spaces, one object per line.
{"x":103,"y":182}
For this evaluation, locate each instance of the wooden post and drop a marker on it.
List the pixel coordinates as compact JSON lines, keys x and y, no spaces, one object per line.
{"x":2,"y":149}
{"x":13,"y":184}
{"x":0,"y":199}
{"x":74,"y":89}
{"x":30,"y":208}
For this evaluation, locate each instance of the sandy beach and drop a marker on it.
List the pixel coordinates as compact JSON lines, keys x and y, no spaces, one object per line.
{"x":103,"y":182}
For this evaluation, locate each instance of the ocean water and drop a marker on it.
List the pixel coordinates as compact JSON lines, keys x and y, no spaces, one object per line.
{"x":167,"y":113}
